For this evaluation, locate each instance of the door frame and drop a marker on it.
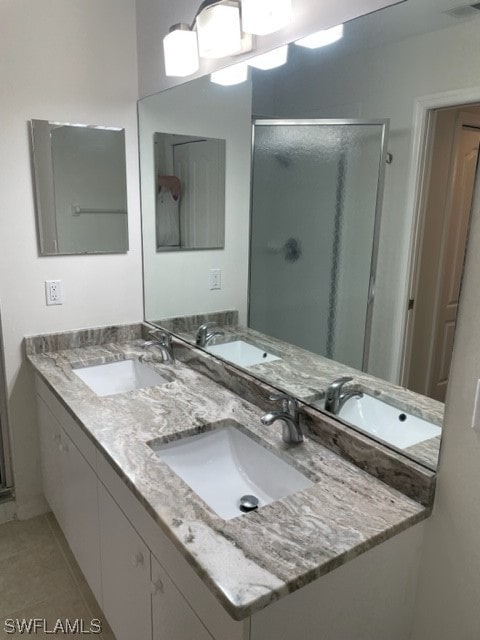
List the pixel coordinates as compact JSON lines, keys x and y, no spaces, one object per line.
{"x":418,"y":172}
{"x":5,"y":460}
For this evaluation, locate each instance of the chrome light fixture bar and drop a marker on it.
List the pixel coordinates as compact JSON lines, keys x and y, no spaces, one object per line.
{"x":221,"y":28}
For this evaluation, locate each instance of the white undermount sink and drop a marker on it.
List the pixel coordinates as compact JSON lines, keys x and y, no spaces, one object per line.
{"x":225,"y":464}
{"x":386,"y":422}
{"x":241,"y":353}
{"x":118,"y":377}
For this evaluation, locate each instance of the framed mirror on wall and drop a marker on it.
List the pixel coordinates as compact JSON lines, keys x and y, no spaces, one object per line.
{"x":80,"y":188}
{"x":284,"y":249}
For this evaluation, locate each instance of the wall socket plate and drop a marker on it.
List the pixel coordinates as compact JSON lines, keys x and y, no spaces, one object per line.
{"x":53,"y":292}
{"x":215,"y":279}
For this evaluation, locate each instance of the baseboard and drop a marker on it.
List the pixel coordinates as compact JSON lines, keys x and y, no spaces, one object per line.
{"x":8,"y":511}
{"x":32,"y":509}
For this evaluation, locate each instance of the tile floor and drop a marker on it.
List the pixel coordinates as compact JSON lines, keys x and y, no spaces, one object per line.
{"x":39,"y":578}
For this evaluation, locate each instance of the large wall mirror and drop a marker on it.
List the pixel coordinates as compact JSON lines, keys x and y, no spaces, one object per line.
{"x":80,"y":187}
{"x":328,"y":270}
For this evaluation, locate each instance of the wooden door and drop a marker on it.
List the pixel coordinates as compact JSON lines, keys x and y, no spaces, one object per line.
{"x":200,"y":165}
{"x":465,"y":171}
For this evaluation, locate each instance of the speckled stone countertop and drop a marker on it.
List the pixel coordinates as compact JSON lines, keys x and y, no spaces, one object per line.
{"x":306,"y":375}
{"x":256,"y":558}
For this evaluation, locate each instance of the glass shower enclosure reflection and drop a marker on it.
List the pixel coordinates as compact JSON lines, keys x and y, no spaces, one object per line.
{"x":317,"y":188}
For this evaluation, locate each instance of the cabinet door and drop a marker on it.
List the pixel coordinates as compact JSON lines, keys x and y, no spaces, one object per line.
{"x":80,"y":513}
{"x":51,"y":460}
{"x":172,"y":617}
{"x":70,"y":488}
{"x":125,"y":563}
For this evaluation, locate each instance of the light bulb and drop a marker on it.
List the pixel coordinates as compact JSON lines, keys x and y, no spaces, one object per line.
{"x":180,"y":51}
{"x":322,"y":38}
{"x":219,"y":30}
{"x":271,"y":59}
{"x":234,"y":74}
{"x":265,"y":16}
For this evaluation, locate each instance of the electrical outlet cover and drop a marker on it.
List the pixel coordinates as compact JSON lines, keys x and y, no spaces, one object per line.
{"x":53,"y":292}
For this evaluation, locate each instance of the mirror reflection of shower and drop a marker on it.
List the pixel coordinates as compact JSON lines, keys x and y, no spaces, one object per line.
{"x":316,"y":201}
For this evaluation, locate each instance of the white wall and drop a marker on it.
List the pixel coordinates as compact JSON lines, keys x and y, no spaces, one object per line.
{"x":384,"y":83}
{"x":154,"y":19}
{"x":449,"y":592}
{"x":177,"y":282}
{"x":70,"y":61}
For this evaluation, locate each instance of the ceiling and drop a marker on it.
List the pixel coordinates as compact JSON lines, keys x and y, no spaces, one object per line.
{"x":395,"y":23}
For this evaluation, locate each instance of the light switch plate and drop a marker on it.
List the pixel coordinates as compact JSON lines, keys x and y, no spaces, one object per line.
{"x":476,"y":410}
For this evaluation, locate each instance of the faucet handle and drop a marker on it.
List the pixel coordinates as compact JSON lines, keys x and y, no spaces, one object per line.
{"x":339,"y":382}
{"x":280,"y":396}
{"x":165,"y":338}
{"x":290,"y":404}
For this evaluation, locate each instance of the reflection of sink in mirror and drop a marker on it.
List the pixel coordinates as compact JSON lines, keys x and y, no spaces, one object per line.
{"x":392,"y":425}
{"x":241,"y":353}
{"x":118,"y":377}
{"x":224,"y":465}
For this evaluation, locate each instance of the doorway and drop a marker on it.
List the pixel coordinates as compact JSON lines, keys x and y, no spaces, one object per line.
{"x":453,"y":143}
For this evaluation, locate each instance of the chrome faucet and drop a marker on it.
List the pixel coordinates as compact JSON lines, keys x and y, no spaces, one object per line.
{"x":291,"y":431}
{"x":207,"y":332}
{"x":335,"y":398}
{"x":163,"y":341}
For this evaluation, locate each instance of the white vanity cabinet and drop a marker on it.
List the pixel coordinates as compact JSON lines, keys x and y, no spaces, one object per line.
{"x":143,"y":596}
{"x":70,"y":486}
{"x":147,"y":589}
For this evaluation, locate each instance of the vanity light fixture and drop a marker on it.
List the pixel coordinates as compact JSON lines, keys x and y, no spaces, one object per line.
{"x":235,"y":74}
{"x":271,"y":59}
{"x":180,"y":51}
{"x":322,"y":38}
{"x":224,"y":28}
{"x":262,"y":17}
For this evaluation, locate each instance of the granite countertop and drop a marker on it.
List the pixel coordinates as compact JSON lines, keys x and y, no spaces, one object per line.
{"x":306,"y":376}
{"x":256,"y":558}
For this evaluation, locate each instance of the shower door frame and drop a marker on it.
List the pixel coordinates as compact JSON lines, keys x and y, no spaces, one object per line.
{"x":5,"y":464}
{"x":385,"y":124}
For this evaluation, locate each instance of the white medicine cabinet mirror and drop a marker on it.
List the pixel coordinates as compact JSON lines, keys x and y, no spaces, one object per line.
{"x":80,"y":188}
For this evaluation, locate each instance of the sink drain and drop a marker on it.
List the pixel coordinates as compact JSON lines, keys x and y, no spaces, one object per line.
{"x":248,"y":503}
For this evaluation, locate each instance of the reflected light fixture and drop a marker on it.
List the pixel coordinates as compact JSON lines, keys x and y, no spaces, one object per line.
{"x":271,"y":59}
{"x":261,"y":17}
{"x":180,"y":51}
{"x":229,"y":76}
{"x":322,"y":38}
{"x":219,"y":29}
